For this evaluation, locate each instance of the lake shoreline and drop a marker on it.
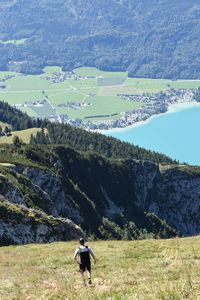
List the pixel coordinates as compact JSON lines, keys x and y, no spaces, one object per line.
{"x":172,"y":108}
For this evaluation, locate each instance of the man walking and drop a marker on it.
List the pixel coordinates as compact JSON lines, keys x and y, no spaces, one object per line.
{"x":83,"y":256}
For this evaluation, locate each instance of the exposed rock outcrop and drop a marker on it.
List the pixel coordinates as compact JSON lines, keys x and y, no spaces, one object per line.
{"x":86,"y":188}
{"x":19,"y":225}
{"x":175,"y":197}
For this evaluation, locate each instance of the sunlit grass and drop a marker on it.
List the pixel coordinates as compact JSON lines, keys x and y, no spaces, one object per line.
{"x":150,"y":269}
{"x":24,"y":135}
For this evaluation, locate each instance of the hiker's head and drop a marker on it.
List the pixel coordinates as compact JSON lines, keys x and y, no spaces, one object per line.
{"x":82,"y":241}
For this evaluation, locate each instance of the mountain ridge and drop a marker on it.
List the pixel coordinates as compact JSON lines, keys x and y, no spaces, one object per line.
{"x":109,"y":198}
{"x":149,"y":39}
{"x":112,"y":189}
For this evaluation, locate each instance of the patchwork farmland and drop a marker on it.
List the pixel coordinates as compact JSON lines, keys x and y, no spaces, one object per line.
{"x":84,"y":94}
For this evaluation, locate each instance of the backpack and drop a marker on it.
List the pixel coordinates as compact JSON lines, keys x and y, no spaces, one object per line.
{"x":84,"y":256}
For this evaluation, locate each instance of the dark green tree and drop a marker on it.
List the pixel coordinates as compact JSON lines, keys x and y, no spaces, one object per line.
{"x":17,"y":142}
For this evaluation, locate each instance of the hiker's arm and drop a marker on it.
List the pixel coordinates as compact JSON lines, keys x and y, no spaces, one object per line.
{"x":93,"y":256}
{"x":76,"y":256}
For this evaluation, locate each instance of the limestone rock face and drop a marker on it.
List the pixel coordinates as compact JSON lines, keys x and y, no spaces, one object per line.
{"x":24,"y":233}
{"x":20,"y":225}
{"x":54,"y":192}
{"x":43,"y":204}
{"x":145,"y":174}
{"x":175,"y":197}
{"x":172,"y":195}
{"x":50,"y":197}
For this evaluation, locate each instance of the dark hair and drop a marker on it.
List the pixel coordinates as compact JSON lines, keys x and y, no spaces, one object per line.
{"x":82,"y":241}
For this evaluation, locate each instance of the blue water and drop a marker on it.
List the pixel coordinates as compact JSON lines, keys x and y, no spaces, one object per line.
{"x":175,"y":134}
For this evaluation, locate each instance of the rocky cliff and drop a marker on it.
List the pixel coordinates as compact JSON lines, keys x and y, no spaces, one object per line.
{"x":20,"y":225}
{"x":51,"y":189}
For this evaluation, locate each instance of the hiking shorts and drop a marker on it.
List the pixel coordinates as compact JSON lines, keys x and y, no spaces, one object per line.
{"x":84,"y":267}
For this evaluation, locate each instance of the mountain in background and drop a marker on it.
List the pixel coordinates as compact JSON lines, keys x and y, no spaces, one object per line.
{"x":158,"y":39}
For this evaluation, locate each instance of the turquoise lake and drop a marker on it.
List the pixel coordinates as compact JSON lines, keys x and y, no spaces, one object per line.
{"x":176,"y":134}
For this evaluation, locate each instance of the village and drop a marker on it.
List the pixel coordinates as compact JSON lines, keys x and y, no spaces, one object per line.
{"x":153,"y":104}
{"x":58,"y":77}
{"x":74,"y":105}
{"x":31,"y":103}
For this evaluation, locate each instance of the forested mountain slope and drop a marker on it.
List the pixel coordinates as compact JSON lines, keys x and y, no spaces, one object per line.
{"x":76,"y":138}
{"x":112,"y":189}
{"x":43,"y":187}
{"x":157,"y":38}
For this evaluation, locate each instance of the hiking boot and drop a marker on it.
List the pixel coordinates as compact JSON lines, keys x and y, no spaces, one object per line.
{"x":90,"y":281}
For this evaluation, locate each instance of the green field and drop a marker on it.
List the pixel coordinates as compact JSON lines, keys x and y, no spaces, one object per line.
{"x":112,"y":81}
{"x":92,"y":86}
{"x":46,"y":110}
{"x":85,"y":71}
{"x":135,"y":270}
{"x":157,"y":85}
{"x":100,"y":106}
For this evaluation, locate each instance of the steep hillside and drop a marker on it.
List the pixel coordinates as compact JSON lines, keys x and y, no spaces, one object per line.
{"x":82,"y":140}
{"x":82,"y":187}
{"x":24,"y":135}
{"x":151,"y":269}
{"x":109,"y":198}
{"x":16,"y":119}
{"x":147,"y":38}
{"x":20,"y":225}
{"x":76,"y":138}
{"x":111,"y":189}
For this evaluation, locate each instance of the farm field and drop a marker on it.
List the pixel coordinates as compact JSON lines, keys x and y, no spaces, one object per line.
{"x":125,"y":270}
{"x":85,"y":93}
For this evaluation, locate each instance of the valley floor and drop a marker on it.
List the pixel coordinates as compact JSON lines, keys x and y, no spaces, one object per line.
{"x":150,"y":269}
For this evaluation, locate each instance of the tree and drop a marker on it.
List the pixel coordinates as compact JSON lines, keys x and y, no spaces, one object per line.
{"x":6,"y":130}
{"x":17,"y":142}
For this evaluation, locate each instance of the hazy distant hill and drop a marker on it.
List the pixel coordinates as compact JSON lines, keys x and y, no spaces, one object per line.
{"x":157,"y":38}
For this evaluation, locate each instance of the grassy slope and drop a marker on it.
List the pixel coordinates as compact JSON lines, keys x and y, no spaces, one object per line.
{"x":3,"y":125}
{"x":24,"y":135}
{"x":150,"y":269}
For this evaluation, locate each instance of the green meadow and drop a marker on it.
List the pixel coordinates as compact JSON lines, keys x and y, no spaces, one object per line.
{"x":99,"y":88}
{"x":125,"y":270}
{"x":100,"y":105}
{"x":91,"y":71}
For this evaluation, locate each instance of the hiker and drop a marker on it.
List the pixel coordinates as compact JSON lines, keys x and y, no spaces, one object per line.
{"x":83,"y":257}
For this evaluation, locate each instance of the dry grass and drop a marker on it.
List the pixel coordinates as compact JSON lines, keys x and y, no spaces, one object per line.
{"x":3,"y":125}
{"x":24,"y":135}
{"x":151,"y":269}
